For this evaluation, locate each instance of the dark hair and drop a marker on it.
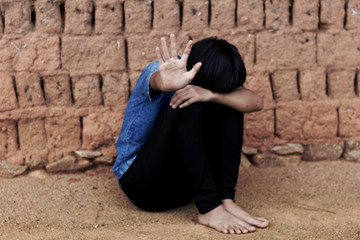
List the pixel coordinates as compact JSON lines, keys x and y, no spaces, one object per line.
{"x":222,"y":69}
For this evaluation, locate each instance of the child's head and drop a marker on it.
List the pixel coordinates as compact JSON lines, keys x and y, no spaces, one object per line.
{"x":222,"y":69}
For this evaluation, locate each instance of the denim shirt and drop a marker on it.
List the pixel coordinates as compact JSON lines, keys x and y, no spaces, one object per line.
{"x":140,"y":115}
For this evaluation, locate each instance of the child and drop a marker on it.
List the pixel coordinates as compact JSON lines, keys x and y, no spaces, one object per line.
{"x":182,"y":134}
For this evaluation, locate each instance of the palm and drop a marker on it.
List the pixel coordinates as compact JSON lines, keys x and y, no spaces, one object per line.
{"x":172,"y":70}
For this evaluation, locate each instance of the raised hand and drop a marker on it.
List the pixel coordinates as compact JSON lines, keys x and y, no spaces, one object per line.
{"x":172,"y":74}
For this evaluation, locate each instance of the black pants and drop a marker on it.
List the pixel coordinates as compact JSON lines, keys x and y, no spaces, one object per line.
{"x":193,"y":152}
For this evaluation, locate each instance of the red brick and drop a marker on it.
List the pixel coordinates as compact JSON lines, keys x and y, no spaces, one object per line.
{"x":108,"y":17}
{"x":32,"y":135}
{"x":285,"y":87}
{"x":63,"y":132}
{"x":259,"y":125}
{"x":341,"y":83}
{"x":260,"y":83}
{"x":140,"y":55}
{"x":349,"y":116}
{"x":290,"y":121}
{"x":353,"y":15}
{"x":285,"y":50}
{"x":57,"y":90}
{"x":332,"y":13}
{"x":277,"y":14}
{"x":29,"y":53}
{"x":195,"y":15}
{"x":78,"y":16}
{"x":339,"y":49}
{"x":321,"y":123}
{"x":1,"y":24}
{"x":8,"y":137}
{"x":86,"y":90}
{"x":48,"y":19}
{"x":250,"y":14}
{"x":137,"y":16}
{"x":313,"y":84}
{"x":115,"y":89}
{"x":102,"y":128}
{"x":17,"y":16}
{"x":166,"y":15}
{"x":245,"y":43}
{"x":222,"y":14}
{"x":29,"y":89}
{"x":93,"y":54}
{"x":305,"y":14}
{"x":7,"y":93}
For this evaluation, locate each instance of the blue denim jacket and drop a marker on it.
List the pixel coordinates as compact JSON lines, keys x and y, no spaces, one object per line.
{"x":140,"y":115}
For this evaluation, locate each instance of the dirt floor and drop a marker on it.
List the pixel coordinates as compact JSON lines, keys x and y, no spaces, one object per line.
{"x":312,"y":201}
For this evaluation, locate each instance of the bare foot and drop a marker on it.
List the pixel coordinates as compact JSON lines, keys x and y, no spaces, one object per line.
{"x":238,"y":212}
{"x":222,"y":221}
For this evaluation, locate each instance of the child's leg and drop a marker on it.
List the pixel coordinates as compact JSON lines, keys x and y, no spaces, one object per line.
{"x":172,"y":167}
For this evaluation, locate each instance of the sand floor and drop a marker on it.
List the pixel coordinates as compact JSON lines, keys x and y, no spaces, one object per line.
{"x":319,"y":200}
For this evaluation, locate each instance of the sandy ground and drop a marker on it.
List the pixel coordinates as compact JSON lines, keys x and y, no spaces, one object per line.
{"x":312,"y":201}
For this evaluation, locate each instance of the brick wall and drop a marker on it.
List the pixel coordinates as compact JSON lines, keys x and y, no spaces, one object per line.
{"x":67,"y":69}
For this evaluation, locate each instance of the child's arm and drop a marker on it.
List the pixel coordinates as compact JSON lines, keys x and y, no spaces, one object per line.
{"x":241,"y":99}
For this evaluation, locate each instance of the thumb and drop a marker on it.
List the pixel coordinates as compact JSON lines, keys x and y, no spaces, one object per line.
{"x":195,"y":69}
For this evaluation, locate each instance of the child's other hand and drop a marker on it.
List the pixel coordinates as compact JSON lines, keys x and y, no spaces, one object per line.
{"x":172,"y":74}
{"x":190,"y":94}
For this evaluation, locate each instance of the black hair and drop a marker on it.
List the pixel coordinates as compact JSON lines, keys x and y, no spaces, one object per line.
{"x":222,"y":69}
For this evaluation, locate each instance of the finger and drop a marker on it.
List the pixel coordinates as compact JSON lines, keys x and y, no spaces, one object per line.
{"x":173,"y":46}
{"x":187,"y":51}
{"x":194,"y":70}
{"x":179,"y":101}
{"x":158,"y":54}
{"x":187,"y":103}
{"x":164,"y":49}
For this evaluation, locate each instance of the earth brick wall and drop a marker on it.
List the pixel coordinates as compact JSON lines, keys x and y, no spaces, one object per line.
{"x":67,"y":68}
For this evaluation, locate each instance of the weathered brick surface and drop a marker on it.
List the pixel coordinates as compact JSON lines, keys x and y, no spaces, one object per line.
{"x":32,"y":134}
{"x":259,"y":125}
{"x":8,"y":137}
{"x":78,"y":17}
{"x":245,"y":43}
{"x":277,"y":14}
{"x":305,"y":14}
{"x":250,"y":14}
{"x":341,"y":83}
{"x":63,"y":136}
{"x":108,"y":17}
{"x":102,"y":128}
{"x":312,"y":84}
{"x":137,"y":16}
{"x":285,"y":50}
{"x":290,"y":121}
{"x":140,"y":55}
{"x":86,"y":90}
{"x":17,"y":16}
{"x":57,"y":90}
{"x":285,"y":85}
{"x":29,"y":89}
{"x":48,"y":18}
{"x":115,"y":89}
{"x":353,"y":15}
{"x":166,"y":15}
{"x":321,"y":122}
{"x":332,"y":13}
{"x":29,"y":53}
{"x":222,"y":14}
{"x":339,"y":49}
{"x":7,"y":93}
{"x":349,"y":124}
{"x":93,"y":54}
{"x":328,"y":151}
{"x":195,"y":15}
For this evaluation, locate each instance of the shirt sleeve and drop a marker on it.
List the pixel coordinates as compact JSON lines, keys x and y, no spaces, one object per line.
{"x":145,"y":81}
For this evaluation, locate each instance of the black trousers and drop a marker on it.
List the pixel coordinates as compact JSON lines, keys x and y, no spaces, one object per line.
{"x":193,"y":152}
